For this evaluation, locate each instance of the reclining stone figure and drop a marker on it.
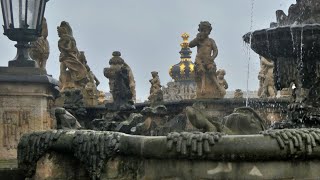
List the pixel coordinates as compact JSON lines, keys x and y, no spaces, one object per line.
{"x":242,"y":121}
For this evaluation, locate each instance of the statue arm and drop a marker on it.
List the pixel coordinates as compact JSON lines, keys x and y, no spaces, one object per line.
{"x":226,"y":86}
{"x":194,"y":43}
{"x":64,"y":45}
{"x":97,"y":80}
{"x":214,"y":49}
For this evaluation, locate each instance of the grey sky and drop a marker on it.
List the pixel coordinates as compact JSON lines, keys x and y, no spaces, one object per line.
{"x":147,"y":32}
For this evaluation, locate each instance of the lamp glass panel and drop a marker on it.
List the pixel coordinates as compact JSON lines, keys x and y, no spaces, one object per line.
{"x":19,"y":13}
{"x":6,"y":16}
{"x":33,"y":13}
{"x":42,"y":7}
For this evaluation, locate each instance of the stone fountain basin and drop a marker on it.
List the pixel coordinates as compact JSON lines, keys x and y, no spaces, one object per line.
{"x":294,"y":50}
{"x":285,"y":42}
{"x":111,"y":155}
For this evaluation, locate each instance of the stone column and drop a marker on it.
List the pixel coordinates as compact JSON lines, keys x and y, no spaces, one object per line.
{"x":26,"y":98}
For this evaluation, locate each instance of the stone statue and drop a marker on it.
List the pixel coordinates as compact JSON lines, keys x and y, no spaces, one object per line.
{"x":39,"y":50}
{"x":205,"y":67}
{"x":101,"y":98}
{"x":242,"y":121}
{"x":66,"y":120}
{"x":73,"y":74}
{"x":266,"y":84}
{"x":156,"y":94}
{"x":220,"y":76}
{"x":303,"y":12}
{"x":91,"y":77}
{"x":90,"y":90}
{"x":238,"y":94}
{"x":119,"y":82}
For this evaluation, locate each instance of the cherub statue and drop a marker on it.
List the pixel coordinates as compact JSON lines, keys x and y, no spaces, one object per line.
{"x":156,"y":94}
{"x":72,"y":72}
{"x":39,"y":50}
{"x":220,"y":75}
{"x":205,"y":67}
{"x":265,"y":77}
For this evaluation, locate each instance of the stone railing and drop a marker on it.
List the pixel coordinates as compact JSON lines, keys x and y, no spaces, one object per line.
{"x":97,"y":151}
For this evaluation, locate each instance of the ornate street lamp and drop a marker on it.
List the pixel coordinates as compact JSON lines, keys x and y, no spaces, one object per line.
{"x":22,"y":23}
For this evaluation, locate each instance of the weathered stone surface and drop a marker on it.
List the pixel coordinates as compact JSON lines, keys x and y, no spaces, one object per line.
{"x":176,"y":91}
{"x":52,"y":166}
{"x":25,"y":106}
{"x":178,"y":156}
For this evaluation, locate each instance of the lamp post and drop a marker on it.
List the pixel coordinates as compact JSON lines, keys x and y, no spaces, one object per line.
{"x":22,"y":23}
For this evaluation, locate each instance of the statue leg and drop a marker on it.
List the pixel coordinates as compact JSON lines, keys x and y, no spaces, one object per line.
{"x":62,"y":77}
{"x":203,"y":84}
{"x":271,"y":91}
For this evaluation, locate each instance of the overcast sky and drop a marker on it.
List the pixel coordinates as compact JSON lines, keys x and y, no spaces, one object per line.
{"x":147,"y":33}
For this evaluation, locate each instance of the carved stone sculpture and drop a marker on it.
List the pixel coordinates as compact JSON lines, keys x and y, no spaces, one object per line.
{"x":176,"y":91}
{"x":156,"y":94}
{"x":220,"y":76}
{"x":72,"y":72}
{"x":102,"y":97}
{"x":205,"y":67}
{"x":89,"y":90}
{"x":66,"y":120}
{"x":238,"y":94}
{"x":266,"y":81}
{"x":119,"y":82}
{"x":242,"y":121}
{"x":303,"y":12}
{"x":39,"y":50}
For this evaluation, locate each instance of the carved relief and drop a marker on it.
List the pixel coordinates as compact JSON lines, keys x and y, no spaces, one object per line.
{"x":15,"y":124}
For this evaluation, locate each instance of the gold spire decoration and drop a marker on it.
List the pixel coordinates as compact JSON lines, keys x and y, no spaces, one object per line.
{"x":170,"y":71}
{"x":185,"y":43}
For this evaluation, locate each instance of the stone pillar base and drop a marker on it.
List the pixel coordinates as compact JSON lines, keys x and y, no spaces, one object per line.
{"x":26,"y":97}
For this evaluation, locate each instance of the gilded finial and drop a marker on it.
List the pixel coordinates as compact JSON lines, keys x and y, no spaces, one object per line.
{"x":185,"y":43}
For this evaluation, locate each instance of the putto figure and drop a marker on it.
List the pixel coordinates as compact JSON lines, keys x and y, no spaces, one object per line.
{"x":265,"y":77}
{"x":222,"y":82}
{"x":205,"y":67}
{"x":72,"y":72}
{"x":39,"y":50}
{"x":156,"y":94}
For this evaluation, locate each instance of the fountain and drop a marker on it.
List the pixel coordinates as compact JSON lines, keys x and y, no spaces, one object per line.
{"x":292,"y":43}
{"x":195,"y":139}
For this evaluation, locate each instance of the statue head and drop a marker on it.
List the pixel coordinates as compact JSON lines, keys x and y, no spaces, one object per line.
{"x":64,"y":29}
{"x":221,"y":73}
{"x":116,"y":59}
{"x":204,"y":29}
{"x":154,"y":74}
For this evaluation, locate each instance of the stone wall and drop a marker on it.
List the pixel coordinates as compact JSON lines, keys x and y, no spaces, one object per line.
{"x":57,"y":166}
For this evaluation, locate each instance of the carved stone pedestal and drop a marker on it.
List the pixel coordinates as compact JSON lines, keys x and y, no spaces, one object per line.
{"x":26,"y":97}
